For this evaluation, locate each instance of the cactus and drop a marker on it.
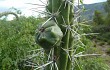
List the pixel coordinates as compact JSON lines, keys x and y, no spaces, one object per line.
{"x":7,"y":13}
{"x":64,"y":56}
{"x":49,"y":35}
{"x":62,"y":12}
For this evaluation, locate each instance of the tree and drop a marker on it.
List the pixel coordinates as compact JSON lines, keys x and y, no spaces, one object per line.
{"x":107,"y":6}
{"x":107,"y":10}
{"x":98,"y":18}
{"x":7,"y":13}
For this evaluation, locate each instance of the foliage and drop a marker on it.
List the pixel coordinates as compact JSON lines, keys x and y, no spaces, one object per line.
{"x":16,"y":39}
{"x":104,"y":33}
{"x":74,"y":42}
{"x":108,"y":51}
{"x":93,"y":63}
{"x":98,"y":18}
{"x":107,"y":10}
{"x":90,"y":8}
{"x":19,"y":51}
{"x":101,"y":28}
{"x":107,"y":6}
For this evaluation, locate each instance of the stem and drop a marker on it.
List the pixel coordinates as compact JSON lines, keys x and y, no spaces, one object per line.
{"x":70,"y":52}
{"x":71,"y":39}
{"x":7,"y":13}
{"x":63,"y":55}
{"x":66,"y":12}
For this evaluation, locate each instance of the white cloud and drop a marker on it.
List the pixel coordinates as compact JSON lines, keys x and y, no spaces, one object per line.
{"x":11,"y":3}
{"x":18,"y":3}
{"x":22,"y":5}
{"x":27,"y":8}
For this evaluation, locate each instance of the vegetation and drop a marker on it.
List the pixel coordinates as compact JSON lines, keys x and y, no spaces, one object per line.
{"x":101,"y":25}
{"x":63,"y":56}
{"x":98,"y":18}
{"x":90,"y":8}
{"x":16,"y":39}
{"x":60,"y":42}
{"x":7,"y":13}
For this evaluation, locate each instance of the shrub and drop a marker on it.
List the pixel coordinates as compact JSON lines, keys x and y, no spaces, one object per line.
{"x":108,"y":51}
{"x":101,"y":29}
{"x":16,"y":39}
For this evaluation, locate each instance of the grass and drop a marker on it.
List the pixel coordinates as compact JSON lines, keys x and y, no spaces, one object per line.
{"x":101,"y":43}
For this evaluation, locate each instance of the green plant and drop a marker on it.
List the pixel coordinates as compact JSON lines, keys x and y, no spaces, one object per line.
{"x":108,"y":42}
{"x":62,"y":14}
{"x":93,"y":63}
{"x":16,"y":39}
{"x":49,"y":35}
{"x":108,"y":51}
{"x":61,"y":30}
{"x":61,"y":57}
{"x":97,"y":19}
{"x":101,"y":43}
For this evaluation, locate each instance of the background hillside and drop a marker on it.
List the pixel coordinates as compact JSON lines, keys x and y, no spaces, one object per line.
{"x":90,"y":8}
{"x":87,"y":15}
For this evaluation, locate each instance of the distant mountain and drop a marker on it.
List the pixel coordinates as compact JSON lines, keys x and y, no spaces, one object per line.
{"x":90,"y":8}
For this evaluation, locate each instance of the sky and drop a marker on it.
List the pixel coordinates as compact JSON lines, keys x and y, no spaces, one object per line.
{"x":27,"y":9}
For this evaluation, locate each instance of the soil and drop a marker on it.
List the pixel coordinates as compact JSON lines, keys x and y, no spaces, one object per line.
{"x":103,"y":47}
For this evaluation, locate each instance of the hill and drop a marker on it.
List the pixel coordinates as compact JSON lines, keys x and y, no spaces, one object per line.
{"x":90,"y":8}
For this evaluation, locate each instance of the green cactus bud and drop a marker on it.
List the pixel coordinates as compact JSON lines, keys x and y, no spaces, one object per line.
{"x":49,"y":35}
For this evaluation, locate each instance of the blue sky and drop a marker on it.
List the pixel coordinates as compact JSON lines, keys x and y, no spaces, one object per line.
{"x":26,"y":8}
